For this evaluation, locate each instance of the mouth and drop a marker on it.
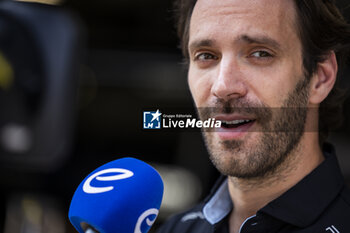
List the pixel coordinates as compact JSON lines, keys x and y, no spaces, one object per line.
{"x":235,"y":123}
{"x":234,"y":126}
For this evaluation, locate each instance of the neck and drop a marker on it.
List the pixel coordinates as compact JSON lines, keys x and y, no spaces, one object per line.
{"x":250,"y":195}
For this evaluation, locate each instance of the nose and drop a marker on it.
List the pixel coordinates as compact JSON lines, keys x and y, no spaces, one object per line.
{"x":229,"y":83}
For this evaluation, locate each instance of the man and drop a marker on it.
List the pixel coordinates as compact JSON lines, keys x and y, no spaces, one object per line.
{"x":267,"y":69}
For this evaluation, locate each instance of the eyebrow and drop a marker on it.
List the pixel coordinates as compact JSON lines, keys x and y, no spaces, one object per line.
{"x":260,"y":40}
{"x":201,"y":43}
{"x":243,"y":38}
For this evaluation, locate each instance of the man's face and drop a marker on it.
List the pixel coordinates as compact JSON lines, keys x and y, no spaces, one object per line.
{"x":245,"y":61}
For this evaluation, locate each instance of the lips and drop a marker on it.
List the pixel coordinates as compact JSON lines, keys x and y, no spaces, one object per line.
{"x":235,"y":123}
{"x":234,"y":126}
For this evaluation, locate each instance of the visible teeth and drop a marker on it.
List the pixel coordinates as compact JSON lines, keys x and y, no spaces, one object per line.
{"x":236,"y":121}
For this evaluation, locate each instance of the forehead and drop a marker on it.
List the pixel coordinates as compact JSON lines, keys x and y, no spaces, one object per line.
{"x":224,"y":19}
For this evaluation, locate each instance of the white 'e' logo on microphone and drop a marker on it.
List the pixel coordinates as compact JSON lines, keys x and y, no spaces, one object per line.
{"x":144,"y":216}
{"x":90,"y":189}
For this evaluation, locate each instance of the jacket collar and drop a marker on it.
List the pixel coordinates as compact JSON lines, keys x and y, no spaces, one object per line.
{"x":219,"y":205}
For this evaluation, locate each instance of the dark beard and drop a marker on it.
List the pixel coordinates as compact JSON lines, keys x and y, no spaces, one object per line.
{"x":281,"y":129}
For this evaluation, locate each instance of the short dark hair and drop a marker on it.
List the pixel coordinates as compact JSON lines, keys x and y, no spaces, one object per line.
{"x":321,"y":28}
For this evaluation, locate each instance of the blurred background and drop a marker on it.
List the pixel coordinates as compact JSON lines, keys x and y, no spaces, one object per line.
{"x":75,"y":78}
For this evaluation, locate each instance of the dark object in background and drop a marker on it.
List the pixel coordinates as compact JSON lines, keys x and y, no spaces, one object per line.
{"x":39,"y":48}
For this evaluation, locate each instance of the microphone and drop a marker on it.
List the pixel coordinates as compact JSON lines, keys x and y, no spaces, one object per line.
{"x":122,"y":196}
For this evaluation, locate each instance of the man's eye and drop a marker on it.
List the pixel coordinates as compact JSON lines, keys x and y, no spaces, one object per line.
{"x":205,"y":56}
{"x":261,"y":54}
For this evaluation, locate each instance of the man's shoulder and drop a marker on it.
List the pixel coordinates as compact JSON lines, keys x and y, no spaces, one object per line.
{"x":191,"y":220}
{"x":341,"y":206}
{"x":337,"y":214}
{"x":345,"y":196}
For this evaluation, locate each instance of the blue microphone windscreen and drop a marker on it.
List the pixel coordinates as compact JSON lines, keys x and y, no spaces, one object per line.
{"x":122,"y":196}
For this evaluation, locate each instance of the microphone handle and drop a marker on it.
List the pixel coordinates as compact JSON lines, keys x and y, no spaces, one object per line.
{"x":89,"y":230}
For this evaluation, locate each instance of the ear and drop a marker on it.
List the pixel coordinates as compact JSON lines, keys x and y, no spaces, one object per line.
{"x":323,"y":79}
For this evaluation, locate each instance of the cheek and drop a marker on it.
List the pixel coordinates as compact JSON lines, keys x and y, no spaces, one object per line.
{"x":269,"y":92}
{"x":273,"y":86}
{"x":200,"y":87}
